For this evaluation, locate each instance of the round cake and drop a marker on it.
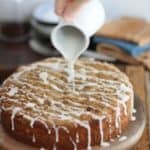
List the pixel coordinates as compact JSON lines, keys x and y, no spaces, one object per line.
{"x":41,"y":107}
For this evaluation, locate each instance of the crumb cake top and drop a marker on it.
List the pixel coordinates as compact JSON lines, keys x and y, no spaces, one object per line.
{"x":42,"y":91}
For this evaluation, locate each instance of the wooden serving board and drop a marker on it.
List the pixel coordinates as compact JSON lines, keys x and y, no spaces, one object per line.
{"x":133,"y":134}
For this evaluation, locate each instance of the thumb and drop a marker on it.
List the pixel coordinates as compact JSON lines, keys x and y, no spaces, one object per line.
{"x":72,"y":8}
{"x":60,"y":7}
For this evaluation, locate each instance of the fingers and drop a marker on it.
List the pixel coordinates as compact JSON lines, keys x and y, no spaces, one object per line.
{"x":60,"y":7}
{"x":68,"y":9}
{"x":72,"y":9}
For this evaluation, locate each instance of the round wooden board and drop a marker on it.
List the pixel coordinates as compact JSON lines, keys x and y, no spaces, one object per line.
{"x":133,"y":134}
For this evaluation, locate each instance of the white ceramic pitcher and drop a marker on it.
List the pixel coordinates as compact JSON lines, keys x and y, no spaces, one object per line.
{"x":72,"y":38}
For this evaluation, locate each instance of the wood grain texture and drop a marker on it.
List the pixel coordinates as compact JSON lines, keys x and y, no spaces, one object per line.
{"x":116,"y":52}
{"x":13,"y":55}
{"x":1,"y":148}
{"x":137,"y":77}
{"x":147,"y":82}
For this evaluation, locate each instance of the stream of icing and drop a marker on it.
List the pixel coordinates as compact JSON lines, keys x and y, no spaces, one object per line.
{"x":112,"y":94}
{"x":15,"y":111}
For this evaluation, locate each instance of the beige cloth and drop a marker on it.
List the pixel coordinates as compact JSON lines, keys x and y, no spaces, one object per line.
{"x":117,"y":53}
{"x":145,"y":59}
{"x":127,"y":28}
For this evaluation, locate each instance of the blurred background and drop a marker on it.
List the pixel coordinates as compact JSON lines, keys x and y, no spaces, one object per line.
{"x":25,"y":28}
{"x":134,"y":8}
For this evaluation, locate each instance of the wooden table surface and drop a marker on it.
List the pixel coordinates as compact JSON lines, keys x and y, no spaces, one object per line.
{"x":12,"y":56}
{"x":140,"y":79}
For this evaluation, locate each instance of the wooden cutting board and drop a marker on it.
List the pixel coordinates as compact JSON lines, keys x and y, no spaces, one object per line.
{"x":133,"y":134}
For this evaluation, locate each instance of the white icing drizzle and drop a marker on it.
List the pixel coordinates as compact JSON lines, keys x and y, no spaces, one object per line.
{"x":27,"y":117}
{"x":36,"y":98}
{"x":30,"y":105}
{"x":57,"y":132}
{"x":71,"y":72}
{"x":54,"y":148}
{"x":44,"y":77}
{"x":0,"y":114}
{"x":65,"y":129}
{"x":102,"y":143}
{"x":112,"y":94}
{"x":105,"y":144}
{"x":12,"y":91}
{"x":14,"y":112}
{"x":45,"y":125}
{"x":74,"y":144}
{"x":56,"y":88}
{"x":40,"y":100}
{"x":123,"y":138}
{"x":87,"y":126}
{"x":77,"y":138}
{"x":134,"y":111}
{"x":112,"y":140}
{"x":132,"y":104}
{"x":118,"y":136}
{"x":124,"y":107}
{"x":33,"y":139}
{"x":133,"y":118}
{"x":110,"y":127}
{"x":43,"y":122}
{"x":42,"y":148}
{"x":49,"y":131}
{"x":33,"y":121}
{"x":56,"y":66}
{"x":118,"y":119}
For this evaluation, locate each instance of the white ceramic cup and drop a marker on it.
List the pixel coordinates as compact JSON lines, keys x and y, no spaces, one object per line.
{"x":72,"y":38}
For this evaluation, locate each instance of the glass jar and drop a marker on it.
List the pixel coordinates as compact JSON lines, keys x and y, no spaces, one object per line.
{"x":14,"y":19}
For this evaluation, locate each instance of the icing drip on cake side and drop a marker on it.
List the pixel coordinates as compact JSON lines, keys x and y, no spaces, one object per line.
{"x":77,"y":138}
{"x":74,"y":144}
{"x":14,"y":112}
{"x":33,"y":139}
{"x":102,"y":143}
{"x":50,"y":95}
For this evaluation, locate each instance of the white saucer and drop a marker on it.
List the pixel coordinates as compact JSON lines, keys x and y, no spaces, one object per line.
{"x":45,"y":13}
{"x":44,"y":29}
{"x":42,"y":49}
{"x":133,"y":134}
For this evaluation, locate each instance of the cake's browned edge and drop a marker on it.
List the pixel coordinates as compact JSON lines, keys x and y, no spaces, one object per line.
{"x":24,"y":133}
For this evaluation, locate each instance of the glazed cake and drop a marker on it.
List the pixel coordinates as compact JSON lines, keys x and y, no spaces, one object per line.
{"x":40,"y":107}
